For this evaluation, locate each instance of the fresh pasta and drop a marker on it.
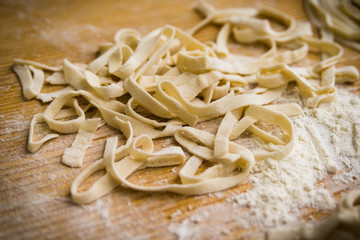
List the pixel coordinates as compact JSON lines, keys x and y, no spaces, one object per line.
{"x":182,"y":82}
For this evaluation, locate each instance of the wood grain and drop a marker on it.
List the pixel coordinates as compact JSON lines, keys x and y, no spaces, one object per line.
{"x":34,"y":200}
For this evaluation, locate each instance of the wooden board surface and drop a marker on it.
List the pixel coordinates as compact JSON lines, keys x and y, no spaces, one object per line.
{"x":35,"y":200}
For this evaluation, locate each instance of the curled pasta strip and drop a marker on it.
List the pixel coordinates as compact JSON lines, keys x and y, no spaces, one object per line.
{"x":124,"y":37}
{"x":279,"y":119}
{"x":101,"y":187}
{"x":221,"y":141}
{"x":278,"y":75}
{"x":332,"y":49}
{"x":129,"y":110}
{"x":112,"y":117}
{"x":35,"y":145}
{"x":216,"y":91}
{"x":346,"y":74}
{"x":39,"y":118}
{"x":36,"y":65}
{"x":143,"y":51}
{"x":32,"y":80}
{"x":75,"y":77}
{"x":57,"y":78}
{"x":119,"y":57}
{"x":110,"y":91}
{"x":69,"y":126}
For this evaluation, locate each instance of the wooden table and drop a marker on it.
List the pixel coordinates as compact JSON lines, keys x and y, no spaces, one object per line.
{"x":35,"y":200}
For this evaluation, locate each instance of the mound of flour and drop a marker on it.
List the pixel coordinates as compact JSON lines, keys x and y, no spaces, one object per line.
{"x":327,"y":143}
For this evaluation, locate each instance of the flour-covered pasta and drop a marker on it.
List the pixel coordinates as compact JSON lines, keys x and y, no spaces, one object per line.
{"x":182,"y":82}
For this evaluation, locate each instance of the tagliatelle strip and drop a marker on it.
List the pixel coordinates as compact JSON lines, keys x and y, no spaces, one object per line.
{"x":35,"y":145}
{"x":70,"y":126}
{"x":57,"y":78}
{"x":221,"y":141}
{"x":181,"y":82}
{"x":36,"y":64}
{"x":124,"y":37}
{"x":31,"y":78}
{"x":276,"y":118}
{"x":73,"y":156}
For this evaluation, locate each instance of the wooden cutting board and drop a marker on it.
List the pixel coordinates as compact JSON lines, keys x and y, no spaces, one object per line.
{"x":35,"y":200}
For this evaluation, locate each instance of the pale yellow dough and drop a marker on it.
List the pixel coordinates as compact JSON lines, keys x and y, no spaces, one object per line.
{"x":182,"y":82}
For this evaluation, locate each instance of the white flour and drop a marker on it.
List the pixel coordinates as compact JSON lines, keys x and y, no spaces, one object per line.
{"x":327,"y":145}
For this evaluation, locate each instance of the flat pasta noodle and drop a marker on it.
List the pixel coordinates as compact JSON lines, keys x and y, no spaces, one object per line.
{"x":32,"y":80}
{"x":36,"y":64}
{"x":73,"y":156}
{"x":32,"y":145}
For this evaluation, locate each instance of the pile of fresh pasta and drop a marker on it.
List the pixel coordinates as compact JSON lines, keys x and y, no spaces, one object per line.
{"x":181,"y":82}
